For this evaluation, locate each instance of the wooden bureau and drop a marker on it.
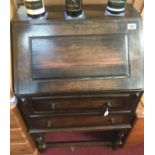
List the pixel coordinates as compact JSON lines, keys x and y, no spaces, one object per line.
{"x":79,"y":77}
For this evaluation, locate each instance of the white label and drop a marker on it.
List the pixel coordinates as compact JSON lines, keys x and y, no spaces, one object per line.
{"x":132,"y":26}
{"x":35,"y":12}
{"x":106,"y":112}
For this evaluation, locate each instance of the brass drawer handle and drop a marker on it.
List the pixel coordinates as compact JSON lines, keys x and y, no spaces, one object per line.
{"x":23,"y":99}
{"x":121,"y":135}
{"x":113,"y":120}
{"x":39,"y":139}
{"x":49,"y":124}
{"x":52,"y":105}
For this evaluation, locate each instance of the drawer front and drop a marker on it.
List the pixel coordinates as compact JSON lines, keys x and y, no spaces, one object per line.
{"x":46,"y":122}
{"x":41,"y":105}
{"x":78,"y":103}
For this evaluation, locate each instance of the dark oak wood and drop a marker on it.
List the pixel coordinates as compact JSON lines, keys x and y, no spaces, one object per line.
{"x":47,"y":122}
{"x":78,"y":75}
{"x":74,"y":104}
{"x":83,"y":128}
{"x":83,"y":143}
{"x":81,"y":136}
{"x":61,"y":139}
{"x":84,"y":56}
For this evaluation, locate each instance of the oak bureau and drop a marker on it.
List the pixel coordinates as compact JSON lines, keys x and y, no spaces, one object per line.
{"x":78,"y":82}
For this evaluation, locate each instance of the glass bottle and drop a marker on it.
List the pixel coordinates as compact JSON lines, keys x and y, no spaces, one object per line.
{"x":73,"y":7}
{"x":116,"y":6}
{"x":34,"y":8}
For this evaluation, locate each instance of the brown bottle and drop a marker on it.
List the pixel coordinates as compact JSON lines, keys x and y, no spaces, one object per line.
{"x":73,"y":7}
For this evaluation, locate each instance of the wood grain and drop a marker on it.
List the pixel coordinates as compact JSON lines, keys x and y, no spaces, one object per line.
{"x":80,"y":57}
{"x":20,"y":141}
{"x":88,"y":75}
{"x":47,"y":122}
{"x":16,"y":135}
{"x":136,"y":135}
{"x":76,"y":104}
{"x":42,"y":105}
{"x":21,"y":148}
{"x":137,"y":3}
{"x":140,"y":108}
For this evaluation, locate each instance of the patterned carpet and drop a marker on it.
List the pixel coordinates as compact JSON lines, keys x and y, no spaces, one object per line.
{"x":96,"y":150}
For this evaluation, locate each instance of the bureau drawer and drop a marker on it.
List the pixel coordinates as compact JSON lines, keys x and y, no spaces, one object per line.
{"x":49,"y":122}
{"x":53,"y":105}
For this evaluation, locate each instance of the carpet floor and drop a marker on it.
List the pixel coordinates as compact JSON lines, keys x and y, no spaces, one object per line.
{"x":95,"y":150}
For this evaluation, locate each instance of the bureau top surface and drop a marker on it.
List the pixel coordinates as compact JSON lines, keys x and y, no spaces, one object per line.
{"x":57,"y":13}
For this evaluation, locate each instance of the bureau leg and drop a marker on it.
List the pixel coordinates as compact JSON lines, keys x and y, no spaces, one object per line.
{"x":119,"y":140}
{"x":42,"y":147}
{"x":39,"y":140}
{"x":41,"y":143}
{"x":115,"y":145}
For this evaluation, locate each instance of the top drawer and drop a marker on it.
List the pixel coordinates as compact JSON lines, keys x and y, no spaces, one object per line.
{"x":55,"y":105}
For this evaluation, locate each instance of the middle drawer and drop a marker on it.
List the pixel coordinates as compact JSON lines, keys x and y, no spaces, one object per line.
{"x":52,"y":122}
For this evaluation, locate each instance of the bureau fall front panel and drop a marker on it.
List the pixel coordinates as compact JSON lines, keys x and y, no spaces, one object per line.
{"x":62,"y":56}
{"x":68,"y":57}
